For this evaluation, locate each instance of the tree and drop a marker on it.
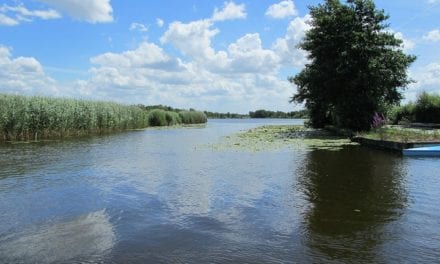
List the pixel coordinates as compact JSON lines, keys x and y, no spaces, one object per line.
{"x":356,"y":66}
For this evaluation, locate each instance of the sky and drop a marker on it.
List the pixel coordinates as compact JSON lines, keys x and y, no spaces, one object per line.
{"x":226,"y":56}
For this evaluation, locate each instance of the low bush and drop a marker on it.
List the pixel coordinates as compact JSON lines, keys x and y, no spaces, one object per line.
{"x":426,"y":109}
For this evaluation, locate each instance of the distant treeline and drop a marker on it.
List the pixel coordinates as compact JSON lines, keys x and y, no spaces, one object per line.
{"x":36,"y":117}
{"x":260,"y":114}
{"x":224,"y":115}
{"x":278,"y":114}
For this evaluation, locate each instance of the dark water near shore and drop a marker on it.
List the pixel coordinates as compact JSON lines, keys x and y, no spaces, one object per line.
{"x":157,"y":196}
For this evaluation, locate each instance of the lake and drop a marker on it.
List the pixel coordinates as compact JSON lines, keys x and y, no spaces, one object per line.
{"x":162,"y":196}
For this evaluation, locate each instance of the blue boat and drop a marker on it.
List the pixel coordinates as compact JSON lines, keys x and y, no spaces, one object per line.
{"x":433,"y":151}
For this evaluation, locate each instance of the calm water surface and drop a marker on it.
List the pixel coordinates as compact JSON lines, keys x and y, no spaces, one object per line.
{"x":159,"y":196}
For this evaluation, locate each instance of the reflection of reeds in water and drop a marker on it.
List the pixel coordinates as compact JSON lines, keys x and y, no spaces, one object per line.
{"x":87,"y":237}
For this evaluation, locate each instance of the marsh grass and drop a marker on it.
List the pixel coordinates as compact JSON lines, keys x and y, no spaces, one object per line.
{"x":277,"y":137}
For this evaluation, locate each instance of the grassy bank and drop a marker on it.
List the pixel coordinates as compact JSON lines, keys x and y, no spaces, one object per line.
{"x":402,"y":135}
{"x":37,"y":117}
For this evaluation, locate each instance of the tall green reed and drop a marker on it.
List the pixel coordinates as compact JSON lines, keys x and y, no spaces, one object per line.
{"x":34,"y":117}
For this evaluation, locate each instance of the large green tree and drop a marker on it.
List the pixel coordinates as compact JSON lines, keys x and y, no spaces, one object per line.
{"x":357,"y":67}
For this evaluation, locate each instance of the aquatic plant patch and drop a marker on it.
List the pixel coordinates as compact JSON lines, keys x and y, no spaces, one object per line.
{"x":276,"y":137}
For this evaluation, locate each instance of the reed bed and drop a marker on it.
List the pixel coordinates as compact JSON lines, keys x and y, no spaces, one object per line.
{"x":159,"y":117}
{"x":36,"y":117}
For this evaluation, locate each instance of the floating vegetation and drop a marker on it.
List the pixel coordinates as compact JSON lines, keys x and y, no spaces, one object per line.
{"x":275,"y":137}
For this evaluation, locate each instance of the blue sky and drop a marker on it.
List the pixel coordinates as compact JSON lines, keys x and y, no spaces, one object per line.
{"x":212,"y":55}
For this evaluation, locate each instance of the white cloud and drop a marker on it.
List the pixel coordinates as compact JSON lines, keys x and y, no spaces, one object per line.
{"x":433,"y":35}
{"x":23,"y":75}
{"x":159,"y":22}
{"x":139,"y":27}
{"x":7,"y":21}
{"x":427,"y":79}
{"x":192,"y":39}
{"x":242,"y":77}
{"x":147,"y":55}
{"x":14,"y":15}
{"x":247,"y":55}
{"x":230,"y":11}
{"x":92,"y":11}
{"x":281,"y":10}
{"x":433,"y":1}
{"x":407,"y":44}
{"x":428,"y":75}
{"x":287,"y":47}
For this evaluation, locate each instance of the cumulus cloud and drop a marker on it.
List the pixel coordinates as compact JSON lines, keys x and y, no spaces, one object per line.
{"x":139,"y":27}
{"x":192,"y":39}
{"x":14,"y":15}
{"x":23,"y":75}
{"x":230,"y":11}
{"x":241,"y":77}
{"x":287,"y":47}
{"x":281,"y":10}
{"x":92,"y":11}
{"x":159,"y":22}
{"x":149,"y":75}
{"x":248,"y":55}
{"x":433,"y":35}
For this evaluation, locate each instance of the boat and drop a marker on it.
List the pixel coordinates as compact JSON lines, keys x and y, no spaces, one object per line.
{"x":433,"y":151}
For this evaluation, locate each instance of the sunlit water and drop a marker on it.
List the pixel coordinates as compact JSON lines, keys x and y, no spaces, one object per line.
{"x":162,"y":196}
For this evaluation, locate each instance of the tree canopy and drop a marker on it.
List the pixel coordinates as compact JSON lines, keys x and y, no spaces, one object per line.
{"x":356,"y":66}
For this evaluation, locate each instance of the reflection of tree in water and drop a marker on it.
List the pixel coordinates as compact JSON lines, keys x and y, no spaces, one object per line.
{"x":353,"y":194}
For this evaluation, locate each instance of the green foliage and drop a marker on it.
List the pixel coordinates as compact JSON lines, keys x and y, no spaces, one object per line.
{"x":193,"y":117}
{"x":278,"y":114}
{"x":425,"y":110}
{"x":402,"y":114}
{"x":356,"y":67}
{"x":224,"y":115}
{"x":157,"y":117}
{"x":25,"y":118}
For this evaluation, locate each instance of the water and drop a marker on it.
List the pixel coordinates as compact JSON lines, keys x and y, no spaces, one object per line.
{"x":159,"y":196}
